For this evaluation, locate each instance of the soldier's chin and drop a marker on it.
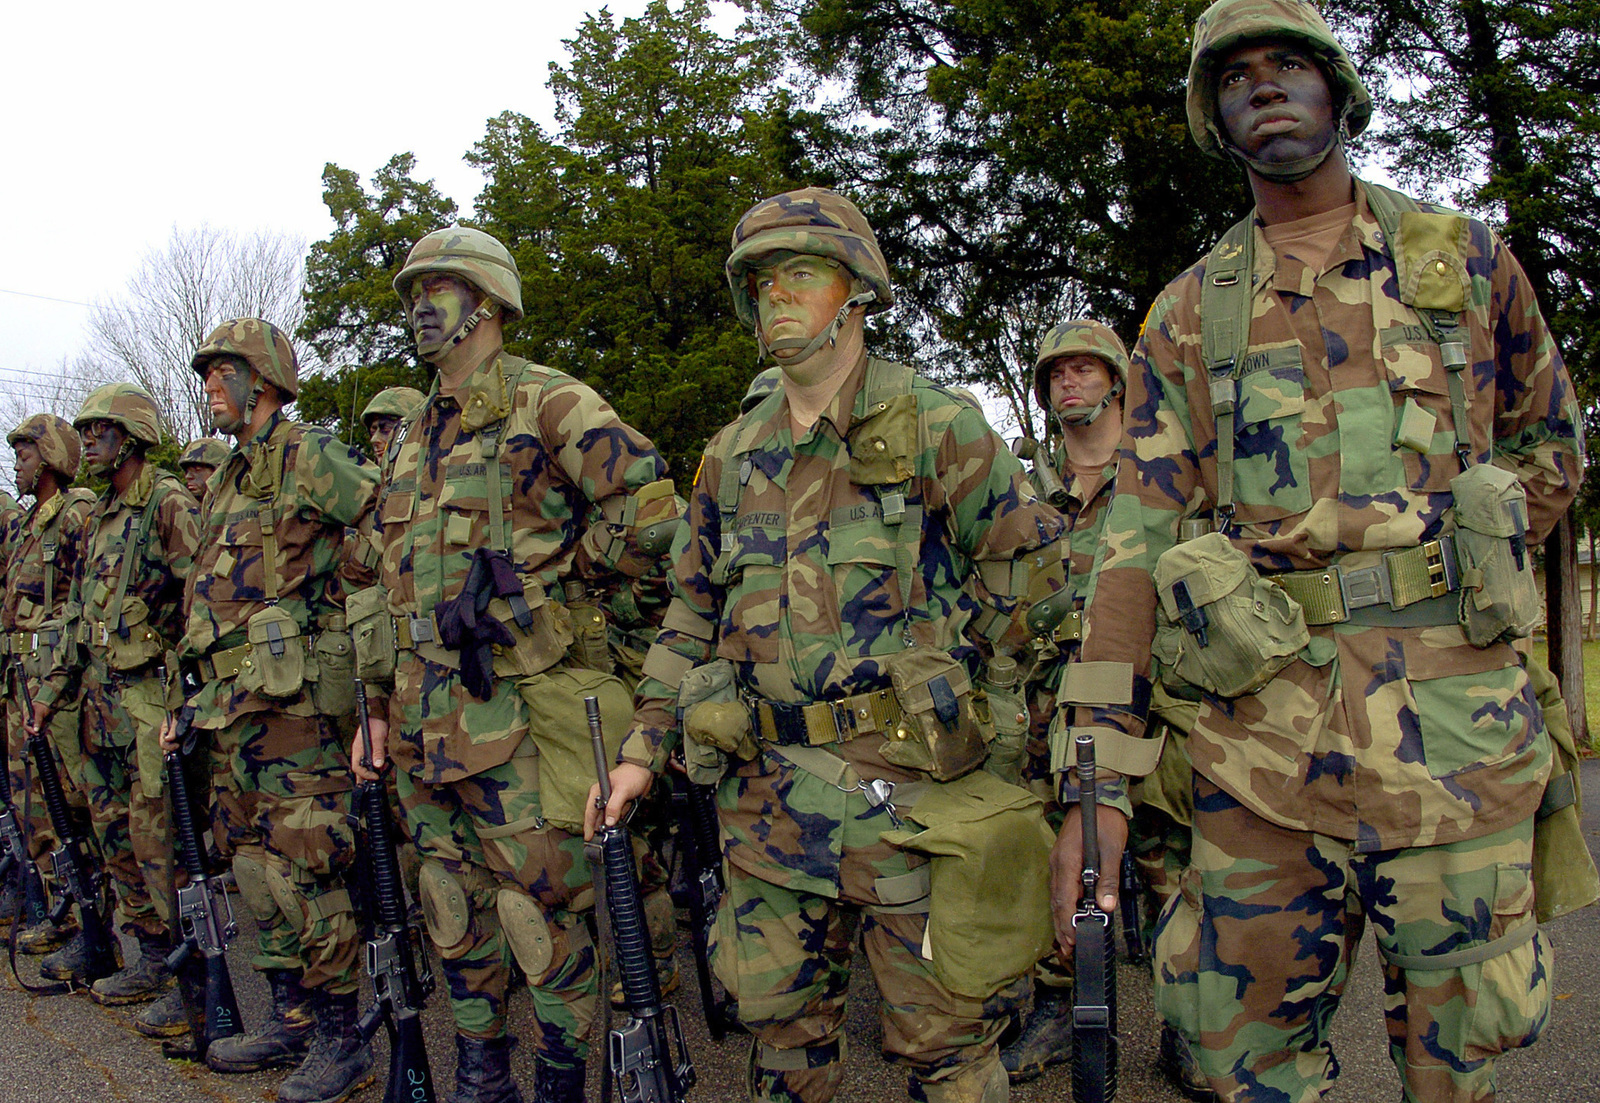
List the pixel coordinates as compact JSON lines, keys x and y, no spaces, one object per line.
{"x":227,"y":423}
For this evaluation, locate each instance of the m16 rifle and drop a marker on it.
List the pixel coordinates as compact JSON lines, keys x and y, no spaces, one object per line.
{"x":205,"y":916}
{"x":647,"y":1058}
{"x":1129,"y":891}
{"x":396,"y":960}
{"x":79,"y":872}
{"x":704,"y":853}
{"x":15,"y":864}
{"x":1094,"y":997}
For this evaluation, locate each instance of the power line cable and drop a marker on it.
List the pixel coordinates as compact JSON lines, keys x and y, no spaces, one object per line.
{"x":46,"y":298}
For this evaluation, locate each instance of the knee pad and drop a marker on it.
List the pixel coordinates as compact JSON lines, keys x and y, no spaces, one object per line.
{"x":527,"y":931}
{"x":445,"y":906}
{"x":254,"y":888}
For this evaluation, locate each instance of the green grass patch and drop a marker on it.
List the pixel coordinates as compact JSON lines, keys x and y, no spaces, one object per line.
{"x":1591,"y":684}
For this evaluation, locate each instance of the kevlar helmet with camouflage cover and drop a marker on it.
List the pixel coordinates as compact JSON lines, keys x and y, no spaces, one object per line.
{"x":399,"y":402}
{"x":766,"y":381}
{"x":205,"y":452}
{"x":1228,"y":24}
{"x":811,"y":222}
{"x":472,"y":255}
{"x":1080,"y":337}
{"x":57,"y":442}
{"x":262,"y":345}
{"x":125,"y":404}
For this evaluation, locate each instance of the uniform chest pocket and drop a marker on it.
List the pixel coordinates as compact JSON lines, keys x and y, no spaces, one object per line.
{"x":1424,"y":434}
{"x":751,"y":571}
{"x":1271,"y":474}
{"x":861,"y":555}
{"x":394,"y":508}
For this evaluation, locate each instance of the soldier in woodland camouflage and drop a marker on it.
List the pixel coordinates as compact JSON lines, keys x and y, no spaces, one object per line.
{"x":786,"y":575}
{"x":198,"y":461}
{"x":519,"y":489}
{"x":124,"y":611}
{"x":1332,"y":389}
{"x":265,"y":590}
{"x":384,"y":414}
{"x":39,"y":567}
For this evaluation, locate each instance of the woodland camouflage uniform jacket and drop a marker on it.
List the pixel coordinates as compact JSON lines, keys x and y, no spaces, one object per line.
{"x":315,"y":486}
{"x":1390,"y":737}
{"x":55,"y":524}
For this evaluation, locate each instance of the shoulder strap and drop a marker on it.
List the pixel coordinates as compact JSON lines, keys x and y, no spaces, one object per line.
{"x":135,"y":549}
{"x":1224,"y":336}
{"x":888,"y":380}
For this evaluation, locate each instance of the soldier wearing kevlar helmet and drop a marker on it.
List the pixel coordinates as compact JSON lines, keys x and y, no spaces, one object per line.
{"x":518,"y":483}
{"x":383,"y":415}
{"x":1367,"y":745}
{"x":831,"y":539}
{"x":274,"y":533}
{"x":198,"y":461}
{"x":123,"y":611}
{"x":39,"y":547}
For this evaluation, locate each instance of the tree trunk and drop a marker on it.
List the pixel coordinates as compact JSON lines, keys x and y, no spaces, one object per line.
{"x":1563,"y":620}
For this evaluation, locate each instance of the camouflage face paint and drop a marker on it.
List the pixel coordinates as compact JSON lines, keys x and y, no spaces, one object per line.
{"x":102,"y":441}
{"x":381,"y":427}
{"x":1078,"y":382}
{"x":229,"y":382}
{"x":28,"y":466}
{"x":439,"y":304}
{"x":194,"y":478}
{"x":798,"y":296}
{"x":1274,"y":102}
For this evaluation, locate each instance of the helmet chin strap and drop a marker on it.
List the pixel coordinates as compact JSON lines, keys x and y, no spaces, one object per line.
{"x":1290,"y":172}
{"x":124,"y":454}
{"x":1088,"y":416}
{"x":486,"y":309}
{"x":810,"y":347}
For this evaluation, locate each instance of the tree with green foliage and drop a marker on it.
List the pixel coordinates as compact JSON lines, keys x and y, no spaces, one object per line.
{"x":1022,"y":160}
{"x":619,"y":221}
{"x":353,"y":318}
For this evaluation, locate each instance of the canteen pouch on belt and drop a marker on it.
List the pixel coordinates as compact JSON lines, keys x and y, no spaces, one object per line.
{"x":989,"y":905}
{"x":940,"y":733}
{"x":275,"y":665}
{"x":1498,"y":597}
{"x":1008,"y":711}
{"x":334,"y":691}
{"x":590,"y":647}
{"x":559,"y":728}
{"x":716,"y":724}
{"x":140,"y":646}
{"x":1220,"y":625}
{"x":541,"y":634}
{"x":43,"y":657}
{"x":372,"y":633}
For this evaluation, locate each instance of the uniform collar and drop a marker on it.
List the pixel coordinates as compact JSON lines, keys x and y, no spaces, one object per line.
{"x":484,"y":398}
{"x":139,"y":490}
{"x":42,"y":513}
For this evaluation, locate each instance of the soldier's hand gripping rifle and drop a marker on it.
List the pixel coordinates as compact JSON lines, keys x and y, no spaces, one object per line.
{"x":1094,"y":997}
{"x":646,"y":1057}
{"x":205,"y":916}
{"x":79,"y":872}
{"x":704,"y":853}
{"x":396,"y":960}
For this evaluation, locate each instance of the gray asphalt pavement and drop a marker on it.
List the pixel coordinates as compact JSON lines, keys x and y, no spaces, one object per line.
{"x":66,"y":1048}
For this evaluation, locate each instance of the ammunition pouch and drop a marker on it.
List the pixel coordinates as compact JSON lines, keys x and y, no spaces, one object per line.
{"x":989,"y":918}
{"x":541,"y":633}
{"x":132,"y":643}
{"x":715,"y":722}
{"x":333,"y":693}
{"x":559,"y":728}
{"x":372,"y":634}
{"x":37,"y":649}
{"x":275,"y":663}
{"x":1498,"y":597}
{"x":1002,"y":696}
{"x":1220,"y":625}
{"x":939,"y":732}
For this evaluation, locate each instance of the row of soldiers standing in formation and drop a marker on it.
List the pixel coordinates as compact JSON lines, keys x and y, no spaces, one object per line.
{"x":1288,"y":542}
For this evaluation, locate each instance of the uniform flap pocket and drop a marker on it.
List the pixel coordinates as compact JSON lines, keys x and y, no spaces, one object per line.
{"x":1276,"y":388}
{"x":864,"y":542}
{"x":882,"y":444}
{"x":1429,"y":257}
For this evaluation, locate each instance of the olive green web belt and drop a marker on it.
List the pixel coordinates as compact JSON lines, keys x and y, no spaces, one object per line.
{"x":1407,"y":588}
{"x":26,"y":643}
{"x":825,"y":721}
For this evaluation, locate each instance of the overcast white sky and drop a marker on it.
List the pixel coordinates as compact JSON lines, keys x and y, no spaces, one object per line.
{"x":127,"y":120}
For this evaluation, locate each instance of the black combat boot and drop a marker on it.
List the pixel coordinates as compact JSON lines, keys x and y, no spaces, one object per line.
{"x":338,"y":1061}
{"x":39,"y":935}
{"x":167,"y":1017}
{"x":1046,"y":1037}
{"x":1178,"y":1059}
{"x":483,"y":1071}
{"x":137,"y":981}
{"x":279,"y":1042}
{"x":557,"y":1085}
{"x":70,"y":963}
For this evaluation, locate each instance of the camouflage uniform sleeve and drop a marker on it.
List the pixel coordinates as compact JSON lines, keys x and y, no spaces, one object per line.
{"x":1157,"y":483}
{"x":693,"y":618}
{"x":1536,"y":407}
{"x":60,"y":683}
{"x":606,"y":459}
{"x":338,"y":481}
{"x":177,"y":523}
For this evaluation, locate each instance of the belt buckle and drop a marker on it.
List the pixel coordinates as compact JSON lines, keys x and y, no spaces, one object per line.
{"x":421,"y":629}
{"x":1365,"y":586}
{"x":1442,"y":577}
{"x":105,"y":636}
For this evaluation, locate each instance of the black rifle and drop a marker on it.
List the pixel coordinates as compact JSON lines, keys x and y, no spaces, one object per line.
{"x":1094,"y":996}
{"x":705,"y":893}
{"x":15,"y":865}
{"x":205,"y":917}
{"x":80,"y":874}
{"x":396,"y":960}
{"x":1129,"y":892}
{"x":647,"y":1057}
